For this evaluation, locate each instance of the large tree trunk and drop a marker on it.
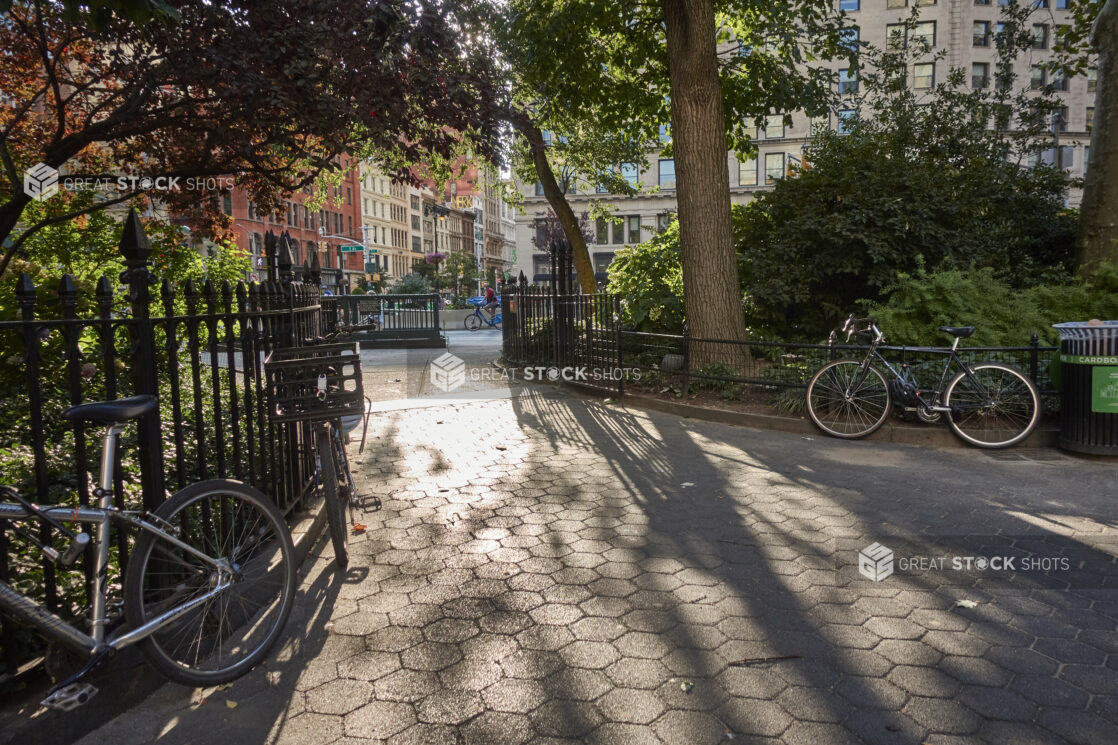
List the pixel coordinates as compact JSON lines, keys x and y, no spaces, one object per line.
{"x":1099,"y":211}
{"x":711,"y":290}
{"x":558,"y":201}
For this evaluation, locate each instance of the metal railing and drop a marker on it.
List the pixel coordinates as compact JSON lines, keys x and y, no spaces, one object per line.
{"x":198,"y":347}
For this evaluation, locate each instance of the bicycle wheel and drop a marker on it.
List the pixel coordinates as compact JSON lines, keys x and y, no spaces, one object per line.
{"x":347,"y":488}
{"x":335,"y":504}
{"x":473,"y":322}
{"x":228,"y":634}
{"x":844,"y":402}
{"x":994,"y":407}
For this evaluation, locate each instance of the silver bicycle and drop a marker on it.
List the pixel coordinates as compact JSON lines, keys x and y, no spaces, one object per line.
{"x":208,"y":588}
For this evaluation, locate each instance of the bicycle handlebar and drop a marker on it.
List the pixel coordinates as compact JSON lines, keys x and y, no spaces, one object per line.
{"x":862,"y":327}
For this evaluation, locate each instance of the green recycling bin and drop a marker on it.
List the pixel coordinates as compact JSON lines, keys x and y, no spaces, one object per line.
{"x":1089,"y":387}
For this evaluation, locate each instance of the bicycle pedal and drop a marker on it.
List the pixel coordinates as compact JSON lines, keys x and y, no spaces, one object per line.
{"x":70,"y":697}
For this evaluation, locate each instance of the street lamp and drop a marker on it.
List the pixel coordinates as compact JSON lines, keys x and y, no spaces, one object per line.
{"x":348,"y":242}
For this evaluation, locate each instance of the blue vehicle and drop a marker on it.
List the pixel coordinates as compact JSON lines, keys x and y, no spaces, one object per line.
{"x":477,"y":319}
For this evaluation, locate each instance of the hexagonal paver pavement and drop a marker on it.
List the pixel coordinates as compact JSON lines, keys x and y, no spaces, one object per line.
{"x":548,"y":569}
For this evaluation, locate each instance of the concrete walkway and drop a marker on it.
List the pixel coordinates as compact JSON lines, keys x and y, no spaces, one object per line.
{"x":546,"y":569}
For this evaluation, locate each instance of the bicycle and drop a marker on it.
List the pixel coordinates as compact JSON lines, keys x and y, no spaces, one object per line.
{"x":321,"y":384}
{"x":477,"y":319}
{"x":208,"y":587}
{"x":987,"y":404}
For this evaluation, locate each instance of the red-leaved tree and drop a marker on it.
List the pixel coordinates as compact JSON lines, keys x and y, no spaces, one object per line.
{"x":269,"y":91}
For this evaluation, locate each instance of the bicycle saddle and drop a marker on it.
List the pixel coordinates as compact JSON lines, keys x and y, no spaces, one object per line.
{"x":111,"y":412}
{"x":960,"y":331}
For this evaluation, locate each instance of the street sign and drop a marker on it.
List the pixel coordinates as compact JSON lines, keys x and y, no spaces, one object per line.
{"x":352,"y":247}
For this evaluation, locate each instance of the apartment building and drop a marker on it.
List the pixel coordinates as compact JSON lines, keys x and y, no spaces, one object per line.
{"x":476,"y":190}
{"x":325,"y":230}
{"x":964,"y":30}
{"x":385,"y":224}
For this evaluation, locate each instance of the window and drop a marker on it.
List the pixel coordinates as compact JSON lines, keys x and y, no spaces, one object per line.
{"x":634,"y":228}
{"x":1059,"y":80}
{"x":982,"y":33}
{"x":845,"y":120}
{"x":601,"y":234}
{"x":546,"y":137}
{"x":630,"y":173}
{"x":1092,"y":79}
{"x":1090,"y":119}
{"x":618,"y":231}
{"x":1040,"y":3}
{"x":602,"y":262}
{"x":415,"y":222}
{"x":999,"y":33}
{"x":1086,"y":158}
{"x":1038,"y":77}
{"x":924,"y":75}
{"x":894,"y":36}
{"x":894,"y":4}
{"x":667,"y":174}
{"x":541,"y":265}
{"x":227,"y":202}
{"x":415,"y":244}
{"x":820,"y":123}
{"x":850,"y":38}
{"x":774,"y":126}
{"x":747,"y":172}
{"x":1040,"y":36}
{"x":539,"y":189}
{"x":924,"y":2}
{"x":664,"y":221}
{"x":981,"y":2}
{"x":414,"y":202}
{"x":925,"y":32}
{"x":665,"y":136}
{"x":848,"y":80}
{"x":850,"y":5}
{"x":774,"y":167}
{"x":980,"y":75}
{"x":1062,"y":4}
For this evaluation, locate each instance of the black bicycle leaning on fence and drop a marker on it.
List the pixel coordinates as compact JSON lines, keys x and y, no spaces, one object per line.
{"x":209,"y":585}
{"x":321,"y":384}
{"x":986,"y":404}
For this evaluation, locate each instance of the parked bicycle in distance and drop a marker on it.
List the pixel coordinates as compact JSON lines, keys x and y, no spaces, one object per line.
{"x":209,"y":584}
{"x":478,"y":318}
{"x":986,"y":404}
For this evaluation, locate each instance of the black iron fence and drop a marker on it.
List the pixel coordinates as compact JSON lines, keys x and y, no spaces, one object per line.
{"x":199,"y":347}
{"x":390,"y":317}
{"x":557,"y":326}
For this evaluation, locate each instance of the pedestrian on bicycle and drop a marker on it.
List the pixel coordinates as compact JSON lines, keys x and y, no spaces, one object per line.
{"x":491,"y":301}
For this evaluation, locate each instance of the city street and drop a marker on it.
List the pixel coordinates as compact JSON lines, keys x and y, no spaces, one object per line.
{"x":544,"y":568}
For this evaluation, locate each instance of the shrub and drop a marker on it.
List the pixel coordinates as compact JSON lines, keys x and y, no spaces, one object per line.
{"x":918,"y":304}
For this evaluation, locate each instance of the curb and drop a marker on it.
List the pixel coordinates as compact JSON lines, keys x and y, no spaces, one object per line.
{"x":933,"y":435}
{"x":123,"y":684}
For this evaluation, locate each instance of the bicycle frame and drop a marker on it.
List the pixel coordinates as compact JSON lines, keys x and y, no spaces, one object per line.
{"x":951,"y":353}
{"x":496,"y":317}
{"x":101,"y":517}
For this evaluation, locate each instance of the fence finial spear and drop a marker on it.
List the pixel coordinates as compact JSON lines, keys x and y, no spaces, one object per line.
{"x":134,"y":243}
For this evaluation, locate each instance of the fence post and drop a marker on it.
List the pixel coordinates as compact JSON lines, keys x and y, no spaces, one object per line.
{"x":1034,"y":359}
{"x":136,"y":248}
{"x":615,"y":308}
{"x":686,"y":359}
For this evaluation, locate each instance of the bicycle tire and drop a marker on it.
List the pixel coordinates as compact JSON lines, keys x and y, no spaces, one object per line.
{"x":473,"y":322}
{"x":335,"y":507}
{"x":843,"y":414}
{"x":347,"y":488}
{"x":215,"y":513}
{"x":1003,"y":412}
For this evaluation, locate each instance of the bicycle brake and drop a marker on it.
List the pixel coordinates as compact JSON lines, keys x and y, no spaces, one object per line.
{"x":69,"y":697}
